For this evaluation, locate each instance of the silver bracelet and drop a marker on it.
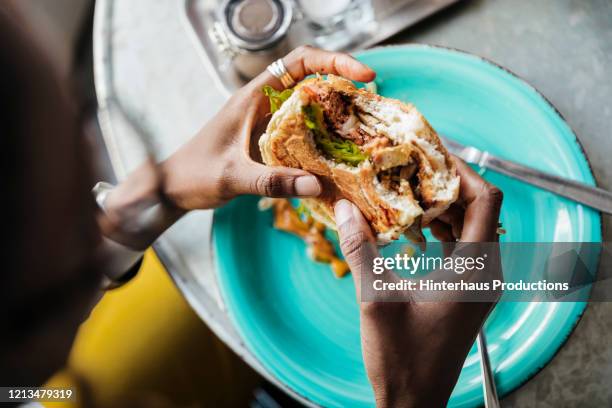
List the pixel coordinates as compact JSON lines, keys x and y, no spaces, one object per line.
{"x":120,"y":259}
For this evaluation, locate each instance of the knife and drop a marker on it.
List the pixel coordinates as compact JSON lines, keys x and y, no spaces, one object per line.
{"x":593,"y":197}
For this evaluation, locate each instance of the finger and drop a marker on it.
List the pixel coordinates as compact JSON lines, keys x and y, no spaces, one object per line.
{"x":441,"y":231}
{"x":471,"y":184}
{"x":482,"y":217}
{"x":356,"y":241}
{"x":278,"y":181}
{"x":483,"y":203}
{"x":307,"y":60}
{"x":453,"y":217}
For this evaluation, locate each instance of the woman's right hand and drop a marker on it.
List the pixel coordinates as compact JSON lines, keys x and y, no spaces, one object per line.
{"x":219,"y":162}
{"x":413,"y":351}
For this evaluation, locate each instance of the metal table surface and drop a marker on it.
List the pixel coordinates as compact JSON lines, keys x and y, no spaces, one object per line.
{"x":152,"y":86}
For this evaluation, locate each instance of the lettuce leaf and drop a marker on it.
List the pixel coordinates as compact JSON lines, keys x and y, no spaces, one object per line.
{"x":335,"y":148}
{"x":277,"y":98}
{"x":302,"y":210}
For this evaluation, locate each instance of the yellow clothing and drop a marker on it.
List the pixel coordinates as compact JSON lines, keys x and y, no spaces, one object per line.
{"x":143,"y":345}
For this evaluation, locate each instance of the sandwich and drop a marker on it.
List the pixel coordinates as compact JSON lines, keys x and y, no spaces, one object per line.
{"x":379,"y":153}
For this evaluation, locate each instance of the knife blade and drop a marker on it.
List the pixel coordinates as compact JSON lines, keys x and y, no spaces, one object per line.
{"x":582,"y":193}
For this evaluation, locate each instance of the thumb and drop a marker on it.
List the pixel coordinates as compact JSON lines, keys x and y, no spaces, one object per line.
{"x":278,"y":182}
{"x":356,"y":241}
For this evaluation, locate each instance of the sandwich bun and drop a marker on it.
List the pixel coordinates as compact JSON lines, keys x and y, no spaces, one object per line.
{"x":379,"y":153}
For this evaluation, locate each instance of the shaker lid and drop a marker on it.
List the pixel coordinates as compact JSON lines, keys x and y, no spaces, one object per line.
{"x":255,"y":24}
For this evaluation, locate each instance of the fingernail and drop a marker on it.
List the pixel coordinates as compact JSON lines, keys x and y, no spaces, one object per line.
{"x":307,"y":186}
{"x":343,"y":211}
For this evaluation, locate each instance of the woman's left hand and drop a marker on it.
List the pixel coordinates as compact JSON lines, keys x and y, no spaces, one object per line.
{"x":414,"y":350}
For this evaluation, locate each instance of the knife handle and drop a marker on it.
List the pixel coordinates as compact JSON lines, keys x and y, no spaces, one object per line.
{"x":591,"y":196}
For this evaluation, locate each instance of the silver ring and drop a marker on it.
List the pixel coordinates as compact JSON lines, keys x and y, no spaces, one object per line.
{"x":277,"y":68}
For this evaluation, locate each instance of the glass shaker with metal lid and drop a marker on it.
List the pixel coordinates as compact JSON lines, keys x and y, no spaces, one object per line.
{"x":253,"y":32}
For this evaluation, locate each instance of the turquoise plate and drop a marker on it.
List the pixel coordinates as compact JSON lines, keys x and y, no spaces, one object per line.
{"x":302,"y":323}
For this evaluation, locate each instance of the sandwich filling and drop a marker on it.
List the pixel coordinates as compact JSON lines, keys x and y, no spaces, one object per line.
{"x":345,"y":133}
{"x":329,"y":143}
{"x":379,"y":153}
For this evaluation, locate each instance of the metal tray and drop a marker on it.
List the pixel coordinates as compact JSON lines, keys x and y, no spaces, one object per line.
{"x":390,"y":17}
